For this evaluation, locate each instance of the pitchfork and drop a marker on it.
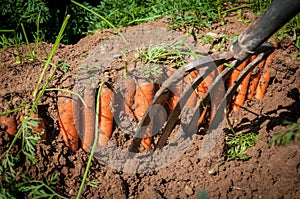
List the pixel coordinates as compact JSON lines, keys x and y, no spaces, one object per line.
{"x":249,"y":43}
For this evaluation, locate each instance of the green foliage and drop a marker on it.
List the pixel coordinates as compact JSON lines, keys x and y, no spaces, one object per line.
{"x":42,"y":19}
{"x":152,"y":70}
{"x":285,"y":137}
{"x":203,"y":194}
{"x":33,"y":188}
{"x":39,"y":189}
{"x":179,"y":13}
{"x":260,"y":5}
{"x":238,"y":145}
{"x":163,"y":54}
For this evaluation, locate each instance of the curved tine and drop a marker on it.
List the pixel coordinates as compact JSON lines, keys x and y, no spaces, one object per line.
{"x":169,"y":83}
{"x":230,"y":92}
{"x":207,"y":97}
{"x":172,"y":120}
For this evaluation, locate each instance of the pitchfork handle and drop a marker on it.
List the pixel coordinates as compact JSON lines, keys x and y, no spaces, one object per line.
{"x":278,"y":14}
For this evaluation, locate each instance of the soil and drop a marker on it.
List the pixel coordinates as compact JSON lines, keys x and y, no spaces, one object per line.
{"x":186,"y":166}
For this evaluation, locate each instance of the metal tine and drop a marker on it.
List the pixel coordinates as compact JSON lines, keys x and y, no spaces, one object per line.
{"x":264,"y":51}
{"x":204,"y":101}
{"x":205,"y":65}
{"x":231,"y":91}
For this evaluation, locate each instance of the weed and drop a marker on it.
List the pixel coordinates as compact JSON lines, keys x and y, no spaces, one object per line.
{"x":285,"y":137}
{"x":238,"y":145}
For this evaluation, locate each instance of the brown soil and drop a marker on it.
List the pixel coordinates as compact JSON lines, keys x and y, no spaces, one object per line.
{"x":271,"y":172}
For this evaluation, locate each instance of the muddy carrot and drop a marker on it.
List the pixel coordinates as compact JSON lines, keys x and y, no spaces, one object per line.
{"x":191,"y":103}
{"x":254,"y":80}
{"x":68,"y":119}
{"x":215,"y":94}
{"x":176,"y":91}
{"x":9,"y":124}
{"x":106,"y":115}
{"x":143,"y":96}
{"x":88,"y":119}
{"x":129,"y":92}
{"x":221,"y":68}
{"x":264,"y":79}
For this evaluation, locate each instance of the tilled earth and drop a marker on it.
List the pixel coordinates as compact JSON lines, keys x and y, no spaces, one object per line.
{"x":271,"y":172}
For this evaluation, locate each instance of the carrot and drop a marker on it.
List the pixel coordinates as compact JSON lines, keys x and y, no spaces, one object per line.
{"x":237,"y":72}
{"x":40,"y":128}
{"x":221,"y":68}
{"x":68,"y":118}
{"x":144,"y":94}
{"x":255,"y":79}
{"x":8,"y":122}
{"x":105,"y":115}
{"x":176,"y":91}
{"x":191,"y":103}
{"x":129,"y":92}
{"x":242,"y":93}
{"x":216,"y":96}
{"x":201,"y":89}
{"x":264,"y":79}
{"x":147,"y":140}
{"x":88,"y":119}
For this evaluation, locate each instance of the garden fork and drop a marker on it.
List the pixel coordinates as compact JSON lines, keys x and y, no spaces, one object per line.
{"x":249,"y":43}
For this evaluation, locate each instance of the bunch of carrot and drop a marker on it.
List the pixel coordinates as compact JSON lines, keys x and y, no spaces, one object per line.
{"x":136,"y":97}
{"x":254,"y":85}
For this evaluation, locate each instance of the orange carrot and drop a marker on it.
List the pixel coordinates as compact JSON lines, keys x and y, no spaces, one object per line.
{"x":191,"y":103}
{"x":105,"y":115}
{"x":68,"y":119}
{"x":255,"y":79}
{"x":144,"y":94}
{"x":221,"y":68}
{"x":240,"y":98}
{"x":88,"y":119}
{"x":176,"y":91}
{"x":201,"y":89}
{"x":9,"y":124}
{"x":264,"y":79}
{"x":147,"y":140}
{"x":237,"y":72}
{"x":216,"y":98}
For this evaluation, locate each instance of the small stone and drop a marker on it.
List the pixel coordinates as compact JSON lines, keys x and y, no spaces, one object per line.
{"x":212,"y":34}
{"x":188,"y":190}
